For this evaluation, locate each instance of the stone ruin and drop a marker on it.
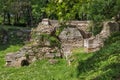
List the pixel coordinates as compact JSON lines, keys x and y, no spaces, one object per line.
{"x":38,"y":49}
{"x":71,"y":37}
{"x":74,"y":35}
{"x":94,"y":43}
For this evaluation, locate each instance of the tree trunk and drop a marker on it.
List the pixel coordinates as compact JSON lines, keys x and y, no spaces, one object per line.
{"x":16,"y":19}
{"x":4,"y":18}
{"x":29,"y":16}
{"x":8,"y":17}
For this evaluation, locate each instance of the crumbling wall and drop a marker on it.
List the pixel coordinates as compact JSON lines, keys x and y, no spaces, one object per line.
{"x":71,"y":37}
{"x":39,"y":48}
{"x":82,"y":25}
{"x":96,"y":42}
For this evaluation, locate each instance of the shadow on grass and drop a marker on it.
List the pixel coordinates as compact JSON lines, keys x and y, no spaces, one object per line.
{"x":13,"y":38}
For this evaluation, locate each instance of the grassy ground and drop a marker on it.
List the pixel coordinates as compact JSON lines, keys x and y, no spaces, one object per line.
{"x":102,"y":65}
{"x":40,"y":70}
{"x":12,"y":48}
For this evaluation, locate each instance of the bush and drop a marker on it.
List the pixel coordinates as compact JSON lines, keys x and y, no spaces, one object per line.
{"x":95,"y":27}
{"x":54,"y":42}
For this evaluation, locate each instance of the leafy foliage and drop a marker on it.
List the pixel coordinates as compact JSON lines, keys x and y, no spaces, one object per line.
{"x":96,"y":10}
{"x":29,"y":12}
{"x":38,"y":9}
{"x":54,"y":42}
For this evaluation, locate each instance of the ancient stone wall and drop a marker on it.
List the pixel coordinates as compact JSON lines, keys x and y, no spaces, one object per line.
{"x":72,"y":36}
{"x":96,"y":42}
{"x":82,"y":25}
{"x":29,"y":54}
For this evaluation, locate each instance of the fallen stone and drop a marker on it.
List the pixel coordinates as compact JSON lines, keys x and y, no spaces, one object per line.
{"x":53,"y":61}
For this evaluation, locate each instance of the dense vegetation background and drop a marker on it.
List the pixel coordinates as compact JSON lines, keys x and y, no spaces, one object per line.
{"x":30,"y":12}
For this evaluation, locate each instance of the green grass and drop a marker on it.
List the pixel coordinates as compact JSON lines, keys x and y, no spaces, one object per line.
{"x":12,"y":48}
{"x":41,"y":70}
{"x":104,"y":64}
{"x":101,"y":65}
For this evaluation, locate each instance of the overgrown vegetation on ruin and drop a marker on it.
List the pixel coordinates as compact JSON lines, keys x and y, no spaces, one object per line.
{"x":102,"y":65}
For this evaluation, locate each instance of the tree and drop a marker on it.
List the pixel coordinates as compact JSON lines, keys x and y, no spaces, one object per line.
{"x":38,"y":9}
{"x":22,"y":12}
{"x":5,"y":11}
{"x":63,"y":10}
{"x":83,"y":9}
{"x":68,"y":9}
